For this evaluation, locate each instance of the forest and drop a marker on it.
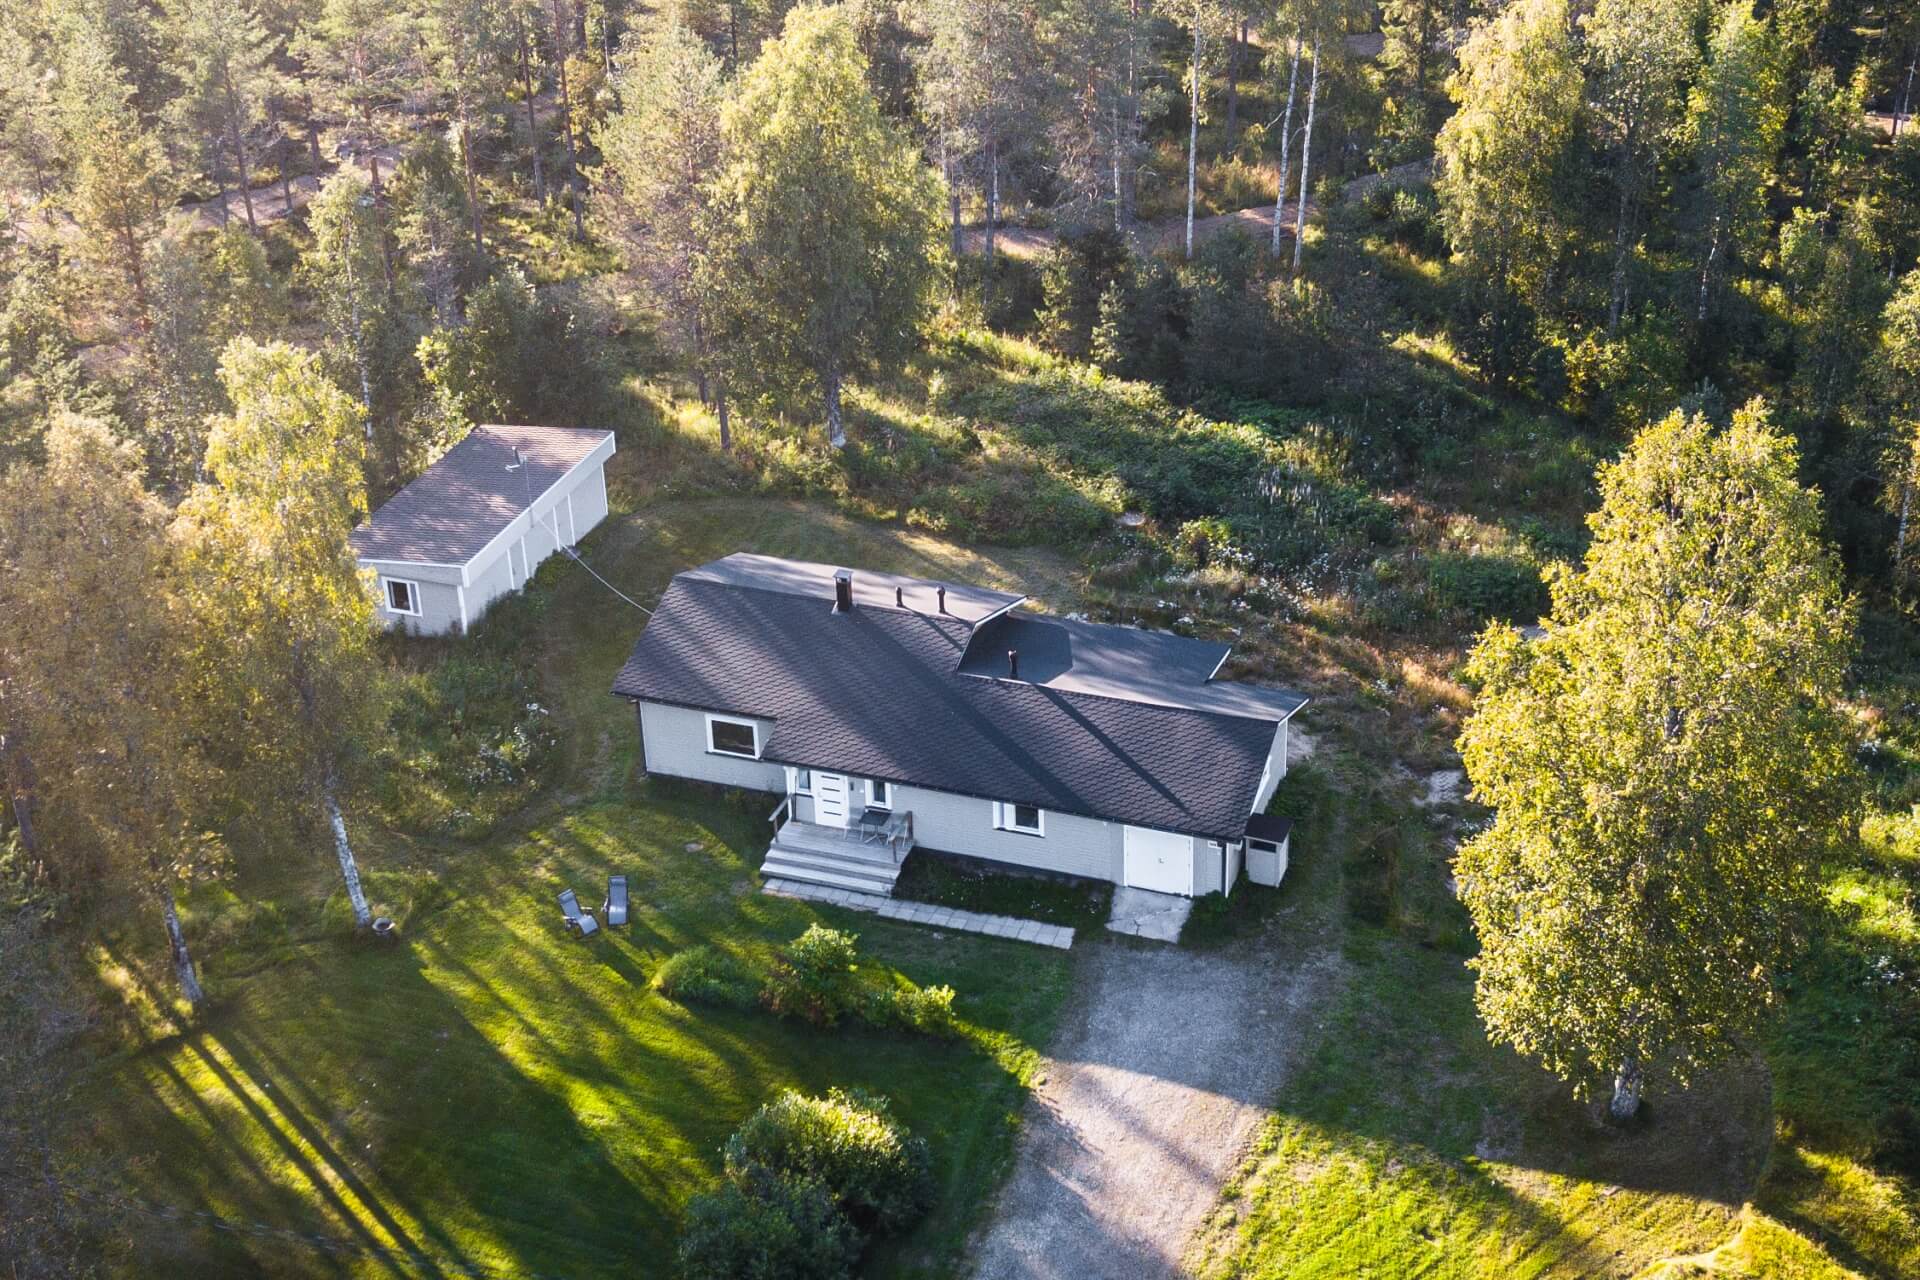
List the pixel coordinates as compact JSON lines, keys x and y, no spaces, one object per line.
{"x":1368,"y":335}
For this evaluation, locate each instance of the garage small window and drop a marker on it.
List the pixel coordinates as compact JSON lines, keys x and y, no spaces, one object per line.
{"x":403,"y":597}
{"x":733,"y":737}
{"x":1022,"y":819}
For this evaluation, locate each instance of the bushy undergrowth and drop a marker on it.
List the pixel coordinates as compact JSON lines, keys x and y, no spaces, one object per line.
{"x":808,"y":1180}
{"x":817,"y":978}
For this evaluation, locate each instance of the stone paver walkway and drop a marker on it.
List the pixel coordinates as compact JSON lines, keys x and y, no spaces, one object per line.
{"x":1046,"y":935}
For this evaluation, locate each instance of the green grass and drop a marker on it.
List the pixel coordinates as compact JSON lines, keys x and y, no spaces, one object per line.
{"x":1077,"y":904}
{"x":489,"y":1091}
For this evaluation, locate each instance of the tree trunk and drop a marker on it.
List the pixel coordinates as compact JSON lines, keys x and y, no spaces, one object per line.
{"x":1706,"y":270}
{"x":533,"y":119}
{"x":473,"y":189}
{"x":726,"y":421}
{"x":1286,"y":144}
{"x":836,"y":429}
{"x":1899,"y":535}
{"x":1618,"y":302}
{"x":1193,"y":131}
{"x":16,"y":773}
{"x":182,"y":958}
{"x":953,"y":198}
{"x":566,"y":119}
{"x":1119,"y":198}
{"x":1627,"y":1084}
{"x":993,"y":201}
{"x":234,"y":114}
{"x":286,"y":167}
{"x":733,"y":36}
{"x":1306,"y":162}
{"x":380,"y":213}
{"x":349,"y":869}
{"x":1234,"y":45}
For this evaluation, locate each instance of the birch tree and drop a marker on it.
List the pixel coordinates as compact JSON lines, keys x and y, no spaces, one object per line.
{"x":1286,"y":137}
{"x":663,"y":149}
{"x":91,"y":691}
{"x":1736,"y":118}
{"x":1897,"y":373}
{"x":1668,"y":766}
{"x":1642,"y":56}
{"x":286,"y":616}
{"x":343,"y":268}
{"x":826,"y":247}
{"x":563,"y":42}
{"x":1103,"y":101}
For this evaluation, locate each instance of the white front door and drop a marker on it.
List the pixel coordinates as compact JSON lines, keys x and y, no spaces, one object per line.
{"x":830,"y":799}
{"x":1158,"y":860}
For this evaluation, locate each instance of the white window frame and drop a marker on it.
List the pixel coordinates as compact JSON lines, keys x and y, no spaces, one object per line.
{"x":736,"y":721}
{"x":413,"y":595}
{"x":879,"y":794}
{"x":802,"y":780}
{"x":1005,"y":818}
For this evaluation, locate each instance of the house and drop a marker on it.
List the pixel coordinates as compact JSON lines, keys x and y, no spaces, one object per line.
{"x":474,"y":525}
{"x":891,"y":712}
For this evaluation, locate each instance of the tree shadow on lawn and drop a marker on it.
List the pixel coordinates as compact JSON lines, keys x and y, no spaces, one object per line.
{"x":378,"y":1120}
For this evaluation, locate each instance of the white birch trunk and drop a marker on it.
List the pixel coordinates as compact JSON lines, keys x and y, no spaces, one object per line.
{"x":836,"y":428}
{"x":1193,"y":130}
{"x":1906,"y":504}
{"x":1627,"y":1085}
{"x":182,"y":958}
{"x":1286,"y":144}
{"x":1306,"y":162}
{"x":349,"y":869}
{"x":1119,"y":199}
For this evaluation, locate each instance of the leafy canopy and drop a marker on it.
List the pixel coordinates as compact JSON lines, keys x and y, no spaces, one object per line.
{"x":1667,"y":764}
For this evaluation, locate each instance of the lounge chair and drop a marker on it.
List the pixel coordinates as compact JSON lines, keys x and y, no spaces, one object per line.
{"x":615,"y":907}
{"x":578,"y":921}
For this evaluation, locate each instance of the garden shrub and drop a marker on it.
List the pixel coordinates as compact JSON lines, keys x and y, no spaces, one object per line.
{"x":761,"y":1226}
{"x":815,"y":979}
{"x":1488,"y":586}
{"x":702,"y":975}
{"x":846,"y":1142}
{"x":928,"y":1010}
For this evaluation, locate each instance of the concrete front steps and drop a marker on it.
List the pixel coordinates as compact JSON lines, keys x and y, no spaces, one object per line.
{"x":809,"y":856}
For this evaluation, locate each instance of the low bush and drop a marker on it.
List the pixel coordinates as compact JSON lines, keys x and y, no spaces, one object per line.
{"x":702,"y":975}
{"x":928,"y":1010}
{"x":846,"y":1142}
{"x":761,"y":1226}
{"x":815,"y":978}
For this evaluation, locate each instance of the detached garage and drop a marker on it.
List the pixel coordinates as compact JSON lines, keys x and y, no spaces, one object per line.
{"x":475,"y":525}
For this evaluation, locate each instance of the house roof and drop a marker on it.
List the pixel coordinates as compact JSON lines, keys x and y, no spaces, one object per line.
{"x":804,"y":578}
{"x":1121,"y":662}
{"x":880,"y":691}
{"x":454,"y":508}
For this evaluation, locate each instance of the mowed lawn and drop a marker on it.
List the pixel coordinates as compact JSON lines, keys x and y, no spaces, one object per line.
{"x":489,"y":1095}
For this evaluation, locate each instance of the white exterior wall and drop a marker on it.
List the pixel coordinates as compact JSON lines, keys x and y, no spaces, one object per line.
{"x":676,"y":743}
{"x":1276,"y":769}
{"x":561,"y":516}
{"x":1072,"y":844}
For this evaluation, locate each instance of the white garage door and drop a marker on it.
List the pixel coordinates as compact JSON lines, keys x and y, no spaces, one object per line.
{"x":1158,"y":860}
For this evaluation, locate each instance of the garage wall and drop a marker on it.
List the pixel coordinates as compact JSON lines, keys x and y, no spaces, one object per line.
{"x":439,"y":599}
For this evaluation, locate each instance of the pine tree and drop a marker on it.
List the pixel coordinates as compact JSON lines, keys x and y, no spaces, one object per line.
{"x":224,"y":57}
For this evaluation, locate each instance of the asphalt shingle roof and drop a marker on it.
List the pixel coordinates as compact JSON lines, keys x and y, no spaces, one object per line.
{"x":879,"y":692}
{"x":454,"y":508}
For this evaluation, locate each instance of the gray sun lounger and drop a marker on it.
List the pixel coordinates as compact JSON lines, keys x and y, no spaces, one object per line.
{"x":615,"y":907}
{"x":578,"y":921}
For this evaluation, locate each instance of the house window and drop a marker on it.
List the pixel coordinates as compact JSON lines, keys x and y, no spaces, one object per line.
{"x":1024,"y":819}
{"x":403,"y":596}
{"x":733,"y":737}
{"x":879,"y":794}
{"x":803,"y":782}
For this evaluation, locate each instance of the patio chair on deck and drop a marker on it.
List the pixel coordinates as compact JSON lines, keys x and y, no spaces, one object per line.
{"x":615,"y":907}
{"x":578,"y":921}
{"x":873,"y":824}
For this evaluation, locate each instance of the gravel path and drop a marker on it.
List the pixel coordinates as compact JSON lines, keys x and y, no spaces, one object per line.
{"x":1165,"y":1064}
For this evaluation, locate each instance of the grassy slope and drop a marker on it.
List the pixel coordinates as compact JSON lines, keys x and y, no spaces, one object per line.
{"x":490,"y":1091}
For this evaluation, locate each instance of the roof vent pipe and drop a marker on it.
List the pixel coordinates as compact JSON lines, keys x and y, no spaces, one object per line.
{"x":899,"y":598}
{"x":943,"y":599}
{"x":1013,"y":664}
{"x":842,"y":591}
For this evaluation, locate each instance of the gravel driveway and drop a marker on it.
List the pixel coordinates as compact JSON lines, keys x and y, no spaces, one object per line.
{"x":1162,"y":1069}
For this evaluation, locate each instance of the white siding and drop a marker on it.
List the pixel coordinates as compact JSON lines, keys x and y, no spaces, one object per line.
{"x":964,"y":824}
{"x":676,"y":744}
{"x":489,"y":582}
{"x":1276,"y":769}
